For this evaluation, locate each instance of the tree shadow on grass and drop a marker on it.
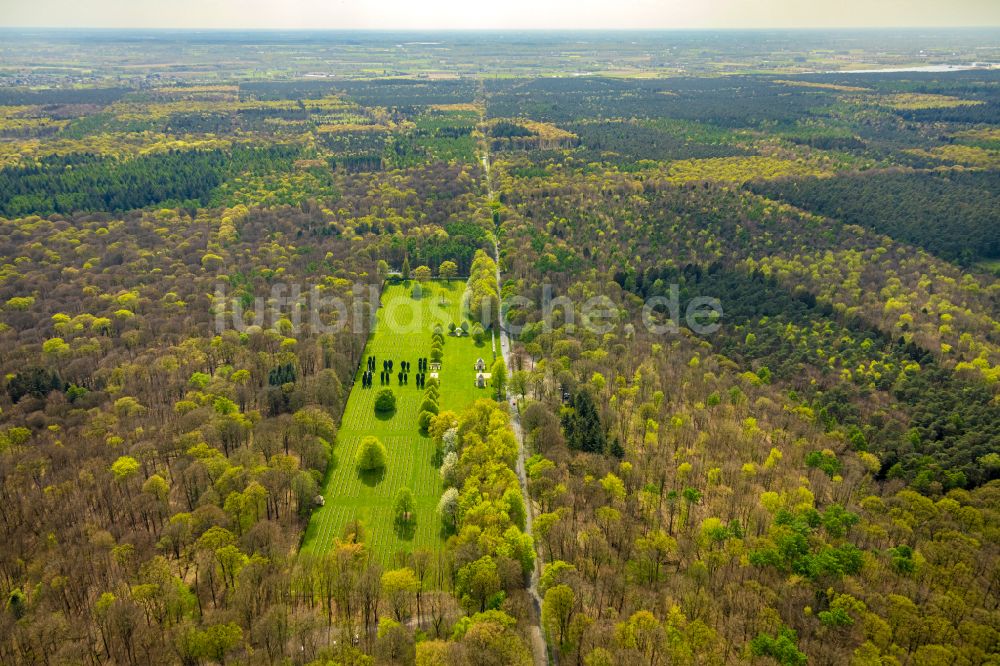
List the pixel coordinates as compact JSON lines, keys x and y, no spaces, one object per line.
{"x":437,"y":456}
{"x":446,"y":531}
{"x":385,"y":416}
{"x":405,"y":529}
{"x":372,"y":477}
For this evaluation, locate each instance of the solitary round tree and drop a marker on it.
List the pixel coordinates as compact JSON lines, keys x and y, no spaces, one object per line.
{"x":371,"y":455}
{"x":448,"y":270}
{"x":422,"y":273}
{"x":403,"y":506}
{"x":385,"y":401}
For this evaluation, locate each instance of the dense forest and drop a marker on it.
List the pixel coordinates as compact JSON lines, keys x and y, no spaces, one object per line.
{"x":82,"y":182}
{"x":952,"y":215}
{"x":810,"y":474}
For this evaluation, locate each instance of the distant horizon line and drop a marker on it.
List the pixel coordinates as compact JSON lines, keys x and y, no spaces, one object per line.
{"x":501,"y":30}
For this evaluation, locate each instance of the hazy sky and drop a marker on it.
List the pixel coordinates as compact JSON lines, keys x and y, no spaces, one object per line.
{"x":497,"y":14}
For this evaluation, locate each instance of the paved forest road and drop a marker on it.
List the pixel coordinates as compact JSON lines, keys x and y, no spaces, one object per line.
{"x":539,"y":649}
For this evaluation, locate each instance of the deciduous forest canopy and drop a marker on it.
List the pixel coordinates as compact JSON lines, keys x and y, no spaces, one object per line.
{"x":301,"y":363}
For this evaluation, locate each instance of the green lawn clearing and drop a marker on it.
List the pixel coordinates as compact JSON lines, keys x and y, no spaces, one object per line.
{"x":403,"y":333}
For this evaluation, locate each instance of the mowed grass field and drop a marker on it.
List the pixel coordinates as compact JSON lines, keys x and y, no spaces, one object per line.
{"x":402,"y":333}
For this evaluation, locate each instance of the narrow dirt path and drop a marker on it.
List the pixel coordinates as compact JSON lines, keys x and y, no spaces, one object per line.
{"x":539,"y":648}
